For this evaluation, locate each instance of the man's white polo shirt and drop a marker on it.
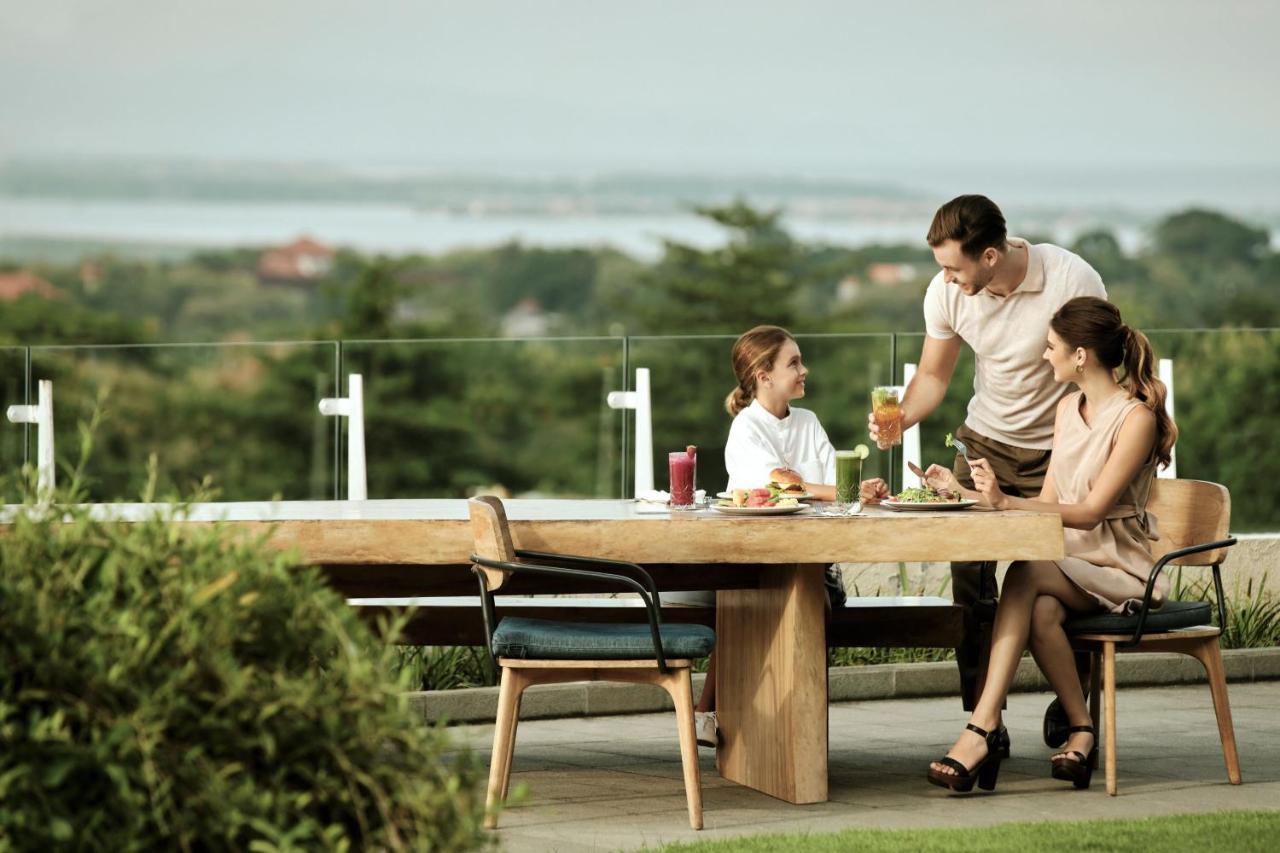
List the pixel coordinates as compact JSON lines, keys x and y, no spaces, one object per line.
{"x":1014,"y":395}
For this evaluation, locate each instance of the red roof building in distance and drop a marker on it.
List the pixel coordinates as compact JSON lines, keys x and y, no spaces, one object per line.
{"x":300,"y":261}
{"x":15,"y":285}
{"x":889,"y":273}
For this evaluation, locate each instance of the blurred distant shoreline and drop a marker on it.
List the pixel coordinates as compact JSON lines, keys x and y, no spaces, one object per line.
{"x":58,"y":208}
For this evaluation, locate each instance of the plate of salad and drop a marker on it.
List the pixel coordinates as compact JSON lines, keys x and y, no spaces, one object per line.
{"x":923,"y":498}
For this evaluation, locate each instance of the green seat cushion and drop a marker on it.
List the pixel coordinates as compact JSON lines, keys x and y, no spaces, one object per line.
{"x":534,"y":639}
{"x":1171,"y":616}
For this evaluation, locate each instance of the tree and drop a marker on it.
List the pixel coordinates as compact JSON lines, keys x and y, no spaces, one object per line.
{"x":560,"y":280}
{"x":1103,"y":252}
{"x":1209,"y":237}
{"x":752,"y":279}
{"x":372,"y":302}
{"x":31,"y":320}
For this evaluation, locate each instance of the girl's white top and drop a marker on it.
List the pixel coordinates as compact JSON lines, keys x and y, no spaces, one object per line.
{"x":759,"y":442}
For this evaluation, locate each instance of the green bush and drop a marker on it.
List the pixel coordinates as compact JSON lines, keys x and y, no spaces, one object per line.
{"x":164,"y":687}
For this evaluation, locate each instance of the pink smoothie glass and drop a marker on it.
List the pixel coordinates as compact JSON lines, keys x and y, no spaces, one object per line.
{"x":682,"y":465}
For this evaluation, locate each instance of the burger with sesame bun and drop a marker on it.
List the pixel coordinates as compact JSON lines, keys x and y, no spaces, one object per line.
{"x":785,"y":483}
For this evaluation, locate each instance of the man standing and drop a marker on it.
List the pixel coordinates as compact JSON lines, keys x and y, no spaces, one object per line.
{"x":995,"y":293}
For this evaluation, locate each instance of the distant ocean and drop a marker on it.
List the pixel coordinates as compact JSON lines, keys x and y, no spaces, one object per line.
{"x":399,"y":229}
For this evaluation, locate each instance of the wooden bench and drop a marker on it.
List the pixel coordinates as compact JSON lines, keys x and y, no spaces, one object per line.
{"x":881,"y":621}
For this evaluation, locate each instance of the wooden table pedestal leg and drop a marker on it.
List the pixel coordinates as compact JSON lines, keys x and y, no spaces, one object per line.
{"x":771,"y":684}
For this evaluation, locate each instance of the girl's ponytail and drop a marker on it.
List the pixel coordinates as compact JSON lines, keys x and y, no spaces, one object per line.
{"x":739,"y":398}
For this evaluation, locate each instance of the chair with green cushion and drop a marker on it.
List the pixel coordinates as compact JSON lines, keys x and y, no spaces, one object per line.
{"x":541,"y":651}
{"x":1192,"y":518}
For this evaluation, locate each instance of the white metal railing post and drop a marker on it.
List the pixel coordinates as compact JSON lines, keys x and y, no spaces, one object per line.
{"x":639,"y":400}
{"x":352,"y":408}
{"x":41,"y":415}
{"x":1166,"y":376}
{"x":911,"y":437}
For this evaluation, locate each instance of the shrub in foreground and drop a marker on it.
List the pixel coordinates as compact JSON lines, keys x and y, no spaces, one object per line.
{"x":169,"y":686}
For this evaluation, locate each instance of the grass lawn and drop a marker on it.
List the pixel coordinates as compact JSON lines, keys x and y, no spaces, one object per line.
{"x":1215,"y":831}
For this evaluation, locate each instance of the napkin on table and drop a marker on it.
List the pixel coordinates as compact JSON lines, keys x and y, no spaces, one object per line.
{"x":657,"y":500}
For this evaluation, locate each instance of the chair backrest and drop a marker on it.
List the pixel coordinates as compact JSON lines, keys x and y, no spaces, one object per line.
{"x":492,"y":537}
{"x":1190,"y":512}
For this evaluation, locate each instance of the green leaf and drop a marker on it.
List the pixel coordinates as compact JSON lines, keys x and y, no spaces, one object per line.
{"x":60,"y":829}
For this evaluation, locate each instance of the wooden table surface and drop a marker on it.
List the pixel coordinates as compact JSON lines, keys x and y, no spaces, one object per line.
{"x":436,"y":532}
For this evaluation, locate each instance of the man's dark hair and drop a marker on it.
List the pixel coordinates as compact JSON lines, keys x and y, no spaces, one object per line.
{"x":973,"y":221}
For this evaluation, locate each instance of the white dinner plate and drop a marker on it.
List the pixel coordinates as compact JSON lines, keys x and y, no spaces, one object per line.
{"x":890,"y":503}
{"x":760,"y":510}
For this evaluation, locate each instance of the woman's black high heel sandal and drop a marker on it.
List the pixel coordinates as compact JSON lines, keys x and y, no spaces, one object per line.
{"x":1004,"y":741}
{"x":1074,"y":766}
{"x":984,"y":772}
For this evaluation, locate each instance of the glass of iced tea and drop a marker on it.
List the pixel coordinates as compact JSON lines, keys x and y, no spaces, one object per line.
{"x":887,"y":412}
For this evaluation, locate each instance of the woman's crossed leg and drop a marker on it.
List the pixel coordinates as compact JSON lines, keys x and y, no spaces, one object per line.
{"x":1022,"y":619}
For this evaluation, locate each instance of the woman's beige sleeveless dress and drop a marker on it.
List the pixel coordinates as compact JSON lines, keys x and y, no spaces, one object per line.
{"x":1112,"y":562}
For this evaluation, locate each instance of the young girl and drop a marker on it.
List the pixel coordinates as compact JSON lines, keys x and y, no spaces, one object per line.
{"x":1108,"y":438}
{"x":769,"y":433}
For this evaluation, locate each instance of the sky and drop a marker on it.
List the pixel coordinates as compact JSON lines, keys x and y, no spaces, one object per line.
{"x":534,"y":86}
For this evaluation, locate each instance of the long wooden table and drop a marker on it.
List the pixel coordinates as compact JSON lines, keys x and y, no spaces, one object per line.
{"x":771,"y":685}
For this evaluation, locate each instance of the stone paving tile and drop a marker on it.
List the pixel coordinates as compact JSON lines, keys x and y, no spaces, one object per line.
{"x":577,"y":756}
{"x":662,"y":800}
{"x":611,"y":783}
{"x":673,"y":770}
{"x":564,"y":798}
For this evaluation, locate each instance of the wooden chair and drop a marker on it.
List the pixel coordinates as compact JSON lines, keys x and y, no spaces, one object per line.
{"x":540,"y":651}
{"x":1193,"y":518}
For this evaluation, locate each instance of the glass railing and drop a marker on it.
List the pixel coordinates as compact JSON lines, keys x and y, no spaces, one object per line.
{"x":1226,"y":388}
{"x":243,"y":415}
{"x":446,"y":417}
{"x":13,"y":387}
{"x":523,"y":416}
{"x":950,"y":413}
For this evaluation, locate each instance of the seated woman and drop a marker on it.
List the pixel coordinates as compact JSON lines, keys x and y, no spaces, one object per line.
{"x":1108,"y":438}
{"x":767,"y":434}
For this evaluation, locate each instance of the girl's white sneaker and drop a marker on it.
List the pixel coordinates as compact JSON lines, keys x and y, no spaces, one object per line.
{"x":704,"y":726}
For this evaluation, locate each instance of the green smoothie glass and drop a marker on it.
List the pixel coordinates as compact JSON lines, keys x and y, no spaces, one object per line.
{"x":849,"y":475}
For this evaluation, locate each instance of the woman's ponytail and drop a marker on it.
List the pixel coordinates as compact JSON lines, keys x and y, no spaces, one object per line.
{"x":1141,"y":381}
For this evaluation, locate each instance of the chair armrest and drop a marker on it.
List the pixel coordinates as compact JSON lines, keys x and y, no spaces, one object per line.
{"x":544,"y":558}
{"x":1159,"y":567}
{"x":655,"y":617}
